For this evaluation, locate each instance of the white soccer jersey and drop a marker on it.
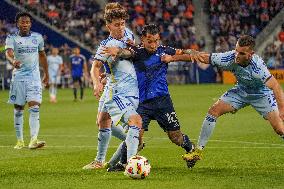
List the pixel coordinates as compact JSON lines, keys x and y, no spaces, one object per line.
{"x":251,"y":78}
{"x":54,"y":62}
{"x":117,"y":70}
{"x":26,"y":50}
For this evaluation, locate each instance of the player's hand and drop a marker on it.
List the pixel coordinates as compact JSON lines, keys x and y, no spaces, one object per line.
{"x":130,"y":42}
{"x":197,"y":56}
{"x":45,"y":80}
{"x":103,"y":79}
{"x":16,"y":64}
{"x":167,"y":58}
{"x":98,"y":88}
{"x":110,"y":51}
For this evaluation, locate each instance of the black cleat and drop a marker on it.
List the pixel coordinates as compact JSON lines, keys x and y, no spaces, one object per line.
{"x":116,"y":168}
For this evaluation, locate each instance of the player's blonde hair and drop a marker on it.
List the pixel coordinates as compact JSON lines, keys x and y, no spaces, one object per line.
{"x":115,"y":11}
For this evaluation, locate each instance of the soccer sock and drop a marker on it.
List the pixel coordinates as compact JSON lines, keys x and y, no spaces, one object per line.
{"x":54,"y":90}
{"x":118,"y":132}
{"x":103,"y":142}
{"x":81,"y":93}
{"x":75,"y":93}
{"x":207,"y":130}
{"x":123,"y":157}
{"x":186,"y":144}
{"x":34,"y":121}
{"x":117,"y":155}
{"x":132,"y":141}
{"x":18,"y":123}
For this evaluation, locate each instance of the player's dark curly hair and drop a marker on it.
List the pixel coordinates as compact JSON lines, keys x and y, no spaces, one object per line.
{"x":22,"y":14}
{"x":150,"y":29}
{"x":115,"y":11}
{"x":246,"y":40}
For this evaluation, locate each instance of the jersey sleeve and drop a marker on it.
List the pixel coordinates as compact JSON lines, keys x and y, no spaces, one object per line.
{"x":99,"y":56}
{"x":9,"y":44}
{"x":260,"y":71}
{"x":170,"y":51}
{"x":41,"y":43}
{"x":222,"y":59}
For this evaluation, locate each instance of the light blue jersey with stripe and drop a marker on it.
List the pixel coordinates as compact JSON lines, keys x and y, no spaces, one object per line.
{"x":120,"y":72}
{"x":54,"y":63}
{"x":251,"y":79}
{"x":26,"y":50}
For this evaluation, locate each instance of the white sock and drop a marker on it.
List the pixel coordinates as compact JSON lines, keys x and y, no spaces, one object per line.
{"x":206,"y":131}
{"x":118,"y":132}
{"x":132,"y":141}
{"x":18,"y":123}
{"x":116,"y":156}
{"x":104,"y":137}
{"x":34,"y":121}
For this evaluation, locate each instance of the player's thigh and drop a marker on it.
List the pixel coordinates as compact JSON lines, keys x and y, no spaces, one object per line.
{"x":264,"y":104}
{"x":18,"y":93}
{"x":34,"y":91}
{"x":230,"y":101}
{"x":165,"y":114}
{"x":103,"y":120}
{"x":122,"y":109}
{"x":146,"y":115}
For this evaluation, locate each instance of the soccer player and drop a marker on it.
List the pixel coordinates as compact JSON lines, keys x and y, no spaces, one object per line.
{"x":78,"y":69}
{"x":119,"y":99}
{"x":154,"y":99}
{"x":255,"y":86}
{"x":24,"y":50}
{"x":55,"y":66}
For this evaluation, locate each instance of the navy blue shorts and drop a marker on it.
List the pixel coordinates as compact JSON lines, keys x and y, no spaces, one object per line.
{"x":77,"y":79}
{"x":160,"y":109}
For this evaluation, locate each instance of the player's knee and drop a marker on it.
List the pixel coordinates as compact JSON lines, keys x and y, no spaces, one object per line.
{"x":176,"y":137}
{"x":135,"y":120}
{"x":34,"y":109}
{"x":214,"y":111}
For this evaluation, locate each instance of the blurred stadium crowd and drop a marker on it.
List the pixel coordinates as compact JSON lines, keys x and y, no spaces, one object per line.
{"x":83,"y":20}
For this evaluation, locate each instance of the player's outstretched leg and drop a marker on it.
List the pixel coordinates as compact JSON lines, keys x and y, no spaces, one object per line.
{"x":34,"y":127}
{"x":18,"y":124}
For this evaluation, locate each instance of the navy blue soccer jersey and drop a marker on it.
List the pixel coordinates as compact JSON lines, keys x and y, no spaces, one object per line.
{"x":77,"y":63}
{"x":151,"y":72}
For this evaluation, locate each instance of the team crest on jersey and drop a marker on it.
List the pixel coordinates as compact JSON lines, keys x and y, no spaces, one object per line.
{"x":34,"y":41}
{"x":13,"y":97}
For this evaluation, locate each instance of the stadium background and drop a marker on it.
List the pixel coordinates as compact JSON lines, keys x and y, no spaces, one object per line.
{"x":210,"y":25}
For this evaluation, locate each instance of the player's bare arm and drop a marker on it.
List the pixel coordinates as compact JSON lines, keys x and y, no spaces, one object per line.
{"x":95,"y":75}
{"x":43,"y":62}
{"x":278,"y":93}
{"x":117,"y":52}
{"x":188,"y":55}
{"x":11,"y":58}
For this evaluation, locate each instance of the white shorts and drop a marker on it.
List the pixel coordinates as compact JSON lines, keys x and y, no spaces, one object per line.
{"x":119,"y":105}
{"x":52,"y":76}
{"x":25,"y":91}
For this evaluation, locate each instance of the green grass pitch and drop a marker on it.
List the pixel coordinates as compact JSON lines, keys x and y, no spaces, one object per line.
{"x":243,"y":152}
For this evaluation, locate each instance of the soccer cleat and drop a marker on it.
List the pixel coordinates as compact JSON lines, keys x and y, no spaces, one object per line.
{"x":94,"y":165}
{"x":34,"y":144}
{"x":107,"y":165}
{"x":20,"y":144}
{"x":192,"y":157}
{"x":116,"y":168}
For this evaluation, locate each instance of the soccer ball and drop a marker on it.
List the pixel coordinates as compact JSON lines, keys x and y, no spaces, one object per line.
{"x":138,"y":167}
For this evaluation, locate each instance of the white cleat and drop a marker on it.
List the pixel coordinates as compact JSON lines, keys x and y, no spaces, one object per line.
{"x":34,"y":144}
{"x":94,"y":165}
{"x":20,"y":144}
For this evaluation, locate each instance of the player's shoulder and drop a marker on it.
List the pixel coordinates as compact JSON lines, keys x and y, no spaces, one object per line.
{"x":82,"y":56}
{"x":128,"y":33}
{"x":36,"y":34}
{"x":257,"y":63}
{"x":106,"y":41}
{"x":12,"y":35}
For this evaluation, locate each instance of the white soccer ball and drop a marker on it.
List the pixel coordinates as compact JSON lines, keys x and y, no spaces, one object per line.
{"x":138,"y":167}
